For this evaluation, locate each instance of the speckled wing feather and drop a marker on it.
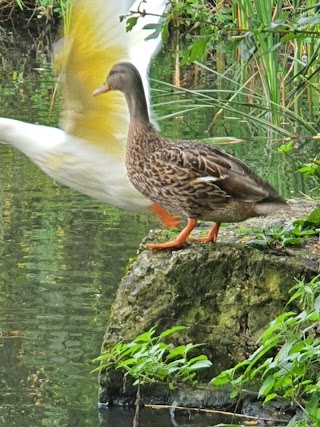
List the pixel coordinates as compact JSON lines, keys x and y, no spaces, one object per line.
{"x":230,"y":174}
{"x":206,"y":172}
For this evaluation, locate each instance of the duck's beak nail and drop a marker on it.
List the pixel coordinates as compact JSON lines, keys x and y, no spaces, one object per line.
{"x":101,"y":89}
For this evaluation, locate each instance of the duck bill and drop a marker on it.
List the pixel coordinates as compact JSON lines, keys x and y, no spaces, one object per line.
{"x":101,"y":89}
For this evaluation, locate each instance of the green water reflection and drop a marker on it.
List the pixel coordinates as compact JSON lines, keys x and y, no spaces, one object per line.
{"x":62,"y":255}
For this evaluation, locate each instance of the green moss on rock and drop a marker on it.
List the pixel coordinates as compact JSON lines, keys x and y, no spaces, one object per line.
{"x":226,"y":293}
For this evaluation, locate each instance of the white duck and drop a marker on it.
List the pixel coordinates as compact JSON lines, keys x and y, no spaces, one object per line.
{"x":87,"y":153}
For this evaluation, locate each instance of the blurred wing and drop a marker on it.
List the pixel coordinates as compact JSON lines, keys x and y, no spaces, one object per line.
{"x":96,"y":42}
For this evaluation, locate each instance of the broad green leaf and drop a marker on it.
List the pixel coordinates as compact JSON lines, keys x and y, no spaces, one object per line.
{"x":314,"y":217}
{"x":102,"y":357}
{"x":131,"y":22}
{"x":201,"y":364}
{"x":270,"y":397}
{"x":156,"y":32}
{"x":195,"y":359}
{"x":145,"y":337}
{"x":197,"y":51}
{"x":292,"y":241}
{"x":172,"y":331}
{"x":221,"y":379}
{"x":165,"y":32}
{"x":258,"y":354}
{"x":284,"y":351}
{"x":178,"y":351}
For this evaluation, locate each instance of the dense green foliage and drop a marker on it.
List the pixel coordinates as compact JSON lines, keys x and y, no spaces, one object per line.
{"x":293,"y":234}
{"x":263,"y":59}
{"x":35,"y":13}
{"x":286,"y":365}
{"x":149,"y":359}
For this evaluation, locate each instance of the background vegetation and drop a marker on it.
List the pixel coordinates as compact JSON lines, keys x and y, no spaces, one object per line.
{"x":262,"y":54}
{"x":261,"y":73}
{"x":263,"y":57}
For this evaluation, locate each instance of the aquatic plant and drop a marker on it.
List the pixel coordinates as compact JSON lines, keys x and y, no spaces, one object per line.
{"x":270,"y":60}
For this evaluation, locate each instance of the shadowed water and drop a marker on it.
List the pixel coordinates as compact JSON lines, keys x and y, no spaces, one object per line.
{"x":62,"y":255}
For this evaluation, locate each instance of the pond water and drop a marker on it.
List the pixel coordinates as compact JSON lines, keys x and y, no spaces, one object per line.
{"x":62,"y":255}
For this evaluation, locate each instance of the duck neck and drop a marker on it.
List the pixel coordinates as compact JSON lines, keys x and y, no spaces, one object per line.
{"x":137,"y":104}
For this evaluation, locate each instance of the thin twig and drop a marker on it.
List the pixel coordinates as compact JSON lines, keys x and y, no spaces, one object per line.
{"x":215,"y":411}
{"x":228,"y":30}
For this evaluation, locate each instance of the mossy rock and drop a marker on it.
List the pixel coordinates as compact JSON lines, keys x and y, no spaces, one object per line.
{"x":226,"y":293}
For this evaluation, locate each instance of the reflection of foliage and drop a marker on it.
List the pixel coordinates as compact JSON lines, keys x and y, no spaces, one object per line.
{"x":27,"y":80}
{"x":73,"y":250}
{"x":286,"y":365}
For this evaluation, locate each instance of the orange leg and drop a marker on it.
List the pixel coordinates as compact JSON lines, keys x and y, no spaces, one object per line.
{"x":166,"y":219}
{"x":180,"y":240}
{"x":212,"y":236}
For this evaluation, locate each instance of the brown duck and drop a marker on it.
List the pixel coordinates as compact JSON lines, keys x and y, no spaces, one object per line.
{"x":187,"y":178}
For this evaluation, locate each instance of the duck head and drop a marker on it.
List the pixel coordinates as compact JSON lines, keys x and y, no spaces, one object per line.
{"x":125,"y":77}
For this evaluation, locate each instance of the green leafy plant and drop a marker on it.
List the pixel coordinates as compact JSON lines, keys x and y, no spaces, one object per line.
{"x":149,"y":359}
{"x":294,"y":233}
{"x":286,"y":364}
{"x":43,"y":6}
{"x":310,"y":169}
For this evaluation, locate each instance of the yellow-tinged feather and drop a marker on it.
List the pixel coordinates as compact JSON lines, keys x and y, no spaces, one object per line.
{"x":95,"y":43}
{"x":87,"y":154}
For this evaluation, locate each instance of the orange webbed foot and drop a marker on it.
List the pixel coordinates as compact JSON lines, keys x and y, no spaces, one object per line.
{"x":212,"y":236}
{"x":167,"y":220}
{"x":179,"y":241}
{"x":174,"y":244}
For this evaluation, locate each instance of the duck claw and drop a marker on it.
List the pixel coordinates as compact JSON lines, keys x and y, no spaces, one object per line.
{"x":179,"y":241}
